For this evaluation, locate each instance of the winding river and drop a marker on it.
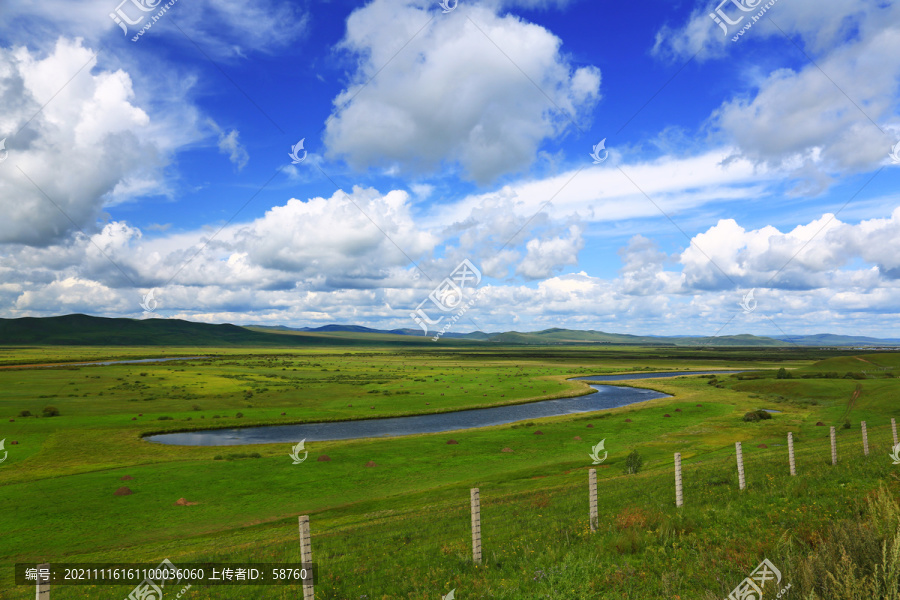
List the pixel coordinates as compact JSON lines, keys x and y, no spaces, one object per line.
{"x":606,"y":396}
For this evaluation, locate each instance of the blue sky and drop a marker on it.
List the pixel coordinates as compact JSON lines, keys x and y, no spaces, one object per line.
{"x":161,"y":163}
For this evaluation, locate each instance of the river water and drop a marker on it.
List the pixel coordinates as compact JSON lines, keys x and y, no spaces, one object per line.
{"x":606,"y":397}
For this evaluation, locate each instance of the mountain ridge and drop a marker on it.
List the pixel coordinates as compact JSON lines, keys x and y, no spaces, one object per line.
{"x":85,"y":330}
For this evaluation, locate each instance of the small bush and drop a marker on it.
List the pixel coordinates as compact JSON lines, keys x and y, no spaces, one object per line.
{"x":847,"y":424}
{"x":239,"y":415}
{"x":633,"y":463}
{"x":25,"y":413}
{"x":783,"y":374}
{"x":51,"y":411}
{"x":218,"y":457}
{"x":196,"y":407}
{"x":165,"y":418}
{"x":756,"y":415}
{"x":854,"y":375}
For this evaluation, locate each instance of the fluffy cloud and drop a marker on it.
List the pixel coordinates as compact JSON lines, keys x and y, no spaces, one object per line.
{"x":545,"y":256}
{"x":807,"y":257}
{"x":456,"y":94}
{"x":821,"y":120}
{"x":223,"y":28}
{"x":801,"y":118}
{"x":348,"y":240}
{"x":321,"y":260}
{"x":88,"y":146}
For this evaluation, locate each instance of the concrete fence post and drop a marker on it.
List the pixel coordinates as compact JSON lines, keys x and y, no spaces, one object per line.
{"x":791,"y":453}
{"x":740,"y":464}
{"x":833,"y":448}
{"x":894,"y":430}
{"x":865,"y":438}
{"x":42,"y":587}
{"x":592,"y":484}
{"x":476,"y":526}
{"x":306,"y":557}
{"x":679,"y":496}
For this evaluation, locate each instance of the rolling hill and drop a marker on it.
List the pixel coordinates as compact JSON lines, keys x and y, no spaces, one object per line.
{"x":85,"y":330}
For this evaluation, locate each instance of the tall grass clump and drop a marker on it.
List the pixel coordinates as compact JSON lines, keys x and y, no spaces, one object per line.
{"x":856,"y":560}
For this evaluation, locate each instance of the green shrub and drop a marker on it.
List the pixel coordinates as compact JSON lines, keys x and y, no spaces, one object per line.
{"x":50,"y":411}
{"x":25,"y":413}
{"x":218,"y":457}
{"x":239,"y":415}
{"x":196,"y":407}
{"x":165,"y":418}
{"x":783,"y":374}
{"x":633,"y":463}
{"x":847,"y":424}
{"x":757,"y":415}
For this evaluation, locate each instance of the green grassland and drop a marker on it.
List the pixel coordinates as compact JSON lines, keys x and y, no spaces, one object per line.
{"x":400,"y":529}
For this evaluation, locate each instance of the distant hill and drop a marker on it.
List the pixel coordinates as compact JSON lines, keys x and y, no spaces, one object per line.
{"x":361,"y":329}
{"x":830,"y":339}
{"x":85,"y":330}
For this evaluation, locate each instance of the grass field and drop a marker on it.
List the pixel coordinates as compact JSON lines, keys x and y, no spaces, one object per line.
{"x":401,"y":529}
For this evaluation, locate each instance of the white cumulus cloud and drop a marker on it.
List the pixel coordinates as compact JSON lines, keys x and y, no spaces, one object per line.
{"x":472,"y":88}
